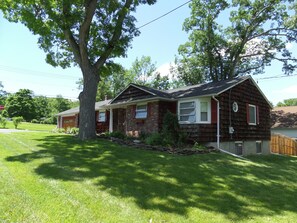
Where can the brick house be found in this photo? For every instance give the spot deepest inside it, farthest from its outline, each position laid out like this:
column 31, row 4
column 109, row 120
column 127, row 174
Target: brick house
column 70, row 118
column 232, row 115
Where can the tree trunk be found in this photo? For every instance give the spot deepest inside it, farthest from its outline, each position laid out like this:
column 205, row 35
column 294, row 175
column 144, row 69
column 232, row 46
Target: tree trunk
column 87, row 98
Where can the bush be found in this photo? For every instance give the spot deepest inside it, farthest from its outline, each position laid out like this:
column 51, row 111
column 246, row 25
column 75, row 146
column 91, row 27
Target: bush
column 3, row 121
column 170, row 129
column 4, row 113
column 49, row 120
column 17, row 120
column 73, row 131
column 34, row 121
column 117, row 134
column 155, row 139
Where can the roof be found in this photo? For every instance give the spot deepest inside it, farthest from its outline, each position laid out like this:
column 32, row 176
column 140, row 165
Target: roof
column 75, row 110
column 159, row 93
column 208, row 89
column 284, row 117
column 286, row 109
column 199, row 90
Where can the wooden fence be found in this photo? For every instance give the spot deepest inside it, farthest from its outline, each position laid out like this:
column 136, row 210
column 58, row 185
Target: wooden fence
column 283, row 145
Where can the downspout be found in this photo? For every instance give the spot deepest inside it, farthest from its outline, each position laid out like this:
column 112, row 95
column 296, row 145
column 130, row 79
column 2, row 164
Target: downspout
column 218, row 122
column 218, row 131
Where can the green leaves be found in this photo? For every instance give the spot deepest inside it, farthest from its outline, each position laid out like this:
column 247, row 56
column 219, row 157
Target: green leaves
column 255, row 36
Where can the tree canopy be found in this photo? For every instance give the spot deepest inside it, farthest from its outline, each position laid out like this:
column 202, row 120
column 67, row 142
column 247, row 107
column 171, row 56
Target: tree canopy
column 2, row 94
column 87, row 33
column 21, row 104
column 142, row 71
column 257, row 33
column 288, row 102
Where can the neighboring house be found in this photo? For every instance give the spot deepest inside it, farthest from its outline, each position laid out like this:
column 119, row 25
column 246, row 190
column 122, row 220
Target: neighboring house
column 284, row 121
column 233, row 115
column 70, row 118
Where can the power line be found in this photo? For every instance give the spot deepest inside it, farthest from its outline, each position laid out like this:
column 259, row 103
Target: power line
column 274, row 77
column 32, row 72
column 164, row 14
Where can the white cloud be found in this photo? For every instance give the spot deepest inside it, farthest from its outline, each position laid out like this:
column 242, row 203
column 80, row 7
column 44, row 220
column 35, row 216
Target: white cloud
column 164, row 70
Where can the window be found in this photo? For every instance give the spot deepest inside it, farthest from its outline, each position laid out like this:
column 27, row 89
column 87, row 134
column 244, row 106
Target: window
column 239, row 148
column 258, row 147
column 187, row 111
column 195, row 111
column 141, row 111
column 102, row 116
column 204, row 111
column 252, row 114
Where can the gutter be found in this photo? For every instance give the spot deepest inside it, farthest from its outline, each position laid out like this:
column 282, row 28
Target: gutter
column 218, row 131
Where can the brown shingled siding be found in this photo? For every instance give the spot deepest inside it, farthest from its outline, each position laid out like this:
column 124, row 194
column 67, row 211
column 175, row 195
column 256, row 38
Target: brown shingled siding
column 132, row 93
column 244, row 93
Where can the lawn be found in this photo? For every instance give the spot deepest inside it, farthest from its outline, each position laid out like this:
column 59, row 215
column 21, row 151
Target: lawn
column 57, row 178
column 31, row 126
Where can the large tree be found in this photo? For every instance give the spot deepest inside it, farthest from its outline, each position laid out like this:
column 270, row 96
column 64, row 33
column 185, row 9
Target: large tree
column 88, row 33
column 3, row 94
column 257, row 33
column 21, row 104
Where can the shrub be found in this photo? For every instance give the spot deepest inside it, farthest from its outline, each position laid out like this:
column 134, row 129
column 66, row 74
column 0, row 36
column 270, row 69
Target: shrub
column 3, row 121
column 17, row 120
column 74, row 131
column 170, row 129
column 49, row 120
column 34, row 121
column 117, row 134
column 4, row 113
column 155, row 139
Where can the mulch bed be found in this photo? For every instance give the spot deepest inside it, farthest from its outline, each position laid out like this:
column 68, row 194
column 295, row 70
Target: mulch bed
column 179, row 151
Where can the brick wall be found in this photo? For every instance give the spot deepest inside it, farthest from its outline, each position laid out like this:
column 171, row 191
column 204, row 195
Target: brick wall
column 148, row 125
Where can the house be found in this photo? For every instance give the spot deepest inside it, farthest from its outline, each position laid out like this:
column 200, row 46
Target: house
column 284, row 121
column 70, row 118
column 232, row 115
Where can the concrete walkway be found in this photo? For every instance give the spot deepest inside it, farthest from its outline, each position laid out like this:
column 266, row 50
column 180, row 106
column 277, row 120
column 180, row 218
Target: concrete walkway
column 7, row 131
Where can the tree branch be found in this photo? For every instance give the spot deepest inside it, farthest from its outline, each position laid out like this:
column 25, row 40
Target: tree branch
column 250, row 69
column 90, row 8
column 267, row 32
column 116, row 35
column 69, row 36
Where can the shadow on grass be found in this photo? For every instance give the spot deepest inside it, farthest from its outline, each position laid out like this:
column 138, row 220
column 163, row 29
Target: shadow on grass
column 240, row 190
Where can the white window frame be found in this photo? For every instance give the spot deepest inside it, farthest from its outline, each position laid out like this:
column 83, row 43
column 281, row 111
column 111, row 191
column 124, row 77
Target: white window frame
column 102, row 111
column 255, row 114
column 197, row 102
column 208, row 100
column 195, row 110
column 137, row 110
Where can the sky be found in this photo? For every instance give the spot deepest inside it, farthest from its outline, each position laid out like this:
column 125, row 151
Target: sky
column 22, row 62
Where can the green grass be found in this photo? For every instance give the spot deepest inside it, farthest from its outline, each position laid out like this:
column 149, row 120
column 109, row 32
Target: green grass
column 31, row 126
column 57, row 178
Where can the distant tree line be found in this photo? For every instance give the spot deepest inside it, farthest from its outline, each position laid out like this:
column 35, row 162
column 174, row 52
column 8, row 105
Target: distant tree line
column 38, row 109
column 288, row 102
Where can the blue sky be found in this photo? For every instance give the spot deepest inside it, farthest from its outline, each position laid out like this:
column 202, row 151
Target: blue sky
column 22, row 63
